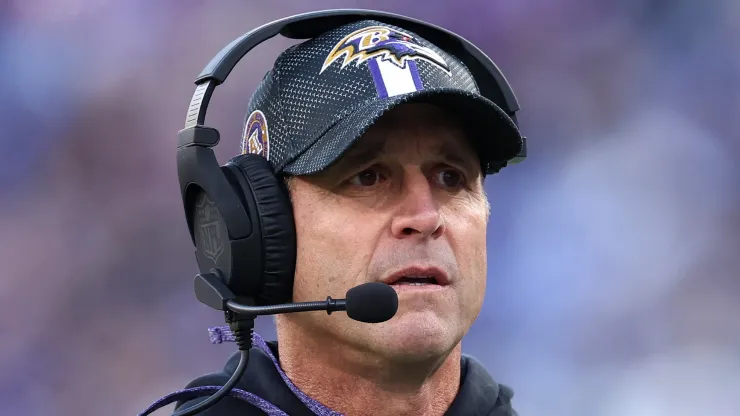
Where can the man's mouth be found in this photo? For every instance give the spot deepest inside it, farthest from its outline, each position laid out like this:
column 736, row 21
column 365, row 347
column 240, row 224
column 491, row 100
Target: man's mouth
column 415, row 281
column 418, row 276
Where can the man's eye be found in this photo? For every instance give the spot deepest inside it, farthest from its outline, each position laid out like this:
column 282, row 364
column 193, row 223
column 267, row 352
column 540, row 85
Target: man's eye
column 450, row 178
column 368, row 177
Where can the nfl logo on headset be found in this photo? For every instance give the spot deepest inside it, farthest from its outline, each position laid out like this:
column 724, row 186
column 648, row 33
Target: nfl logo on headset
column 210, row 243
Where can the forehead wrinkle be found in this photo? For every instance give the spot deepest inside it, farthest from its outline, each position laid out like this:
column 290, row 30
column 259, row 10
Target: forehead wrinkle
column 442, row 139
column 432, row 128
column 445, row 145
column 358, row 154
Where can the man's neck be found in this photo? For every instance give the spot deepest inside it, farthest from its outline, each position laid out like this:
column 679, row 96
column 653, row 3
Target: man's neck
column 355, row 383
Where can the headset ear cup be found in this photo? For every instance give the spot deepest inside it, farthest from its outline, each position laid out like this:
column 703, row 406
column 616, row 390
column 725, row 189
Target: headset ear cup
column 277, row 226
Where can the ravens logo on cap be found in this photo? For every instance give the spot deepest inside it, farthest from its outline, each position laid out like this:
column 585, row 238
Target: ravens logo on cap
column 382, row 42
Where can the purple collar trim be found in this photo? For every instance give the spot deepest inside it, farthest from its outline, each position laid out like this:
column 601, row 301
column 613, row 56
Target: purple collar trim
column 221, row 334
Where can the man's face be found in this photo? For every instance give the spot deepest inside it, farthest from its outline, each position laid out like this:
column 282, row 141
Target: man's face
column 406, row 195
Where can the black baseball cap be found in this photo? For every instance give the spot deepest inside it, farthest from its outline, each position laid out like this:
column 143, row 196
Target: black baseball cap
column 323, row 94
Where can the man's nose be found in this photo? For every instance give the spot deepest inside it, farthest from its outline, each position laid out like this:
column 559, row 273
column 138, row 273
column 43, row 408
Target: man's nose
column 418, row 213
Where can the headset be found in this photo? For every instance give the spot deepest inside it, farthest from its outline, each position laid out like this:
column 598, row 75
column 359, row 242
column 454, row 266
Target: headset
column 239, row 215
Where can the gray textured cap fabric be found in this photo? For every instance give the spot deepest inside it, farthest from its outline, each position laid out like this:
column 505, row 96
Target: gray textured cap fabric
column 323, row 94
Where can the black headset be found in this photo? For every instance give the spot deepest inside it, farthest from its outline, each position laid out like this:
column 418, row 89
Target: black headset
column 239, row 215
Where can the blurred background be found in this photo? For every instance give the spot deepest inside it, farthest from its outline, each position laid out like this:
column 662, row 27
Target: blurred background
column 614, row 248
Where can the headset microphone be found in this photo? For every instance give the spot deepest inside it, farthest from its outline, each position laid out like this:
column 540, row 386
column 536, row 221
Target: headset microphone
column 372, row 302
column 369, row 303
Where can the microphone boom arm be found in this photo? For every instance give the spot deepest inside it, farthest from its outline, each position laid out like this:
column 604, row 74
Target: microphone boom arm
column 211, row 291
column 329, row 305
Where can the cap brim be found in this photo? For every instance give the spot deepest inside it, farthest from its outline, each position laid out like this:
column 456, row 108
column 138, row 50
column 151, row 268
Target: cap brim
column 492, row 131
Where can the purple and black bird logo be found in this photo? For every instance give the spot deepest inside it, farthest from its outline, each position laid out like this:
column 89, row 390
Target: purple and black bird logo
column 385, row 43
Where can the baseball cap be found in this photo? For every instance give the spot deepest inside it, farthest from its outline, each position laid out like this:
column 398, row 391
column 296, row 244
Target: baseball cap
column 322, row 95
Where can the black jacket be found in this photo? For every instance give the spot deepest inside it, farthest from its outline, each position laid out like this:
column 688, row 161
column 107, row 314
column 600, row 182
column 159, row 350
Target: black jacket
column 479, row 395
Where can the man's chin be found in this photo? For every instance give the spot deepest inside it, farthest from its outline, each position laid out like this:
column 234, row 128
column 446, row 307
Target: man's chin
column 417, row 339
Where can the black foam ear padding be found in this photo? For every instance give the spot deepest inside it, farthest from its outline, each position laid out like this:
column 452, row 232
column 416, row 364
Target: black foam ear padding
column 278, row 228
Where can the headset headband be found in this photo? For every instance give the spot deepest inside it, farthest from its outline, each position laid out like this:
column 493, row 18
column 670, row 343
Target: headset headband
column 308, row 25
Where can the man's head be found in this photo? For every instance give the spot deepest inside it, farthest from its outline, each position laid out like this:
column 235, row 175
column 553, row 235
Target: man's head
column 386, row 141
column 407, row 196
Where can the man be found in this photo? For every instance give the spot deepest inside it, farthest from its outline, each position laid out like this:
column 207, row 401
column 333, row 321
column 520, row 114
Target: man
column 383, row 138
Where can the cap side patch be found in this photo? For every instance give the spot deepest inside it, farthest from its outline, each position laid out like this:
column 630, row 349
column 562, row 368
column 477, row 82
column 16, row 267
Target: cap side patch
column 256, row 139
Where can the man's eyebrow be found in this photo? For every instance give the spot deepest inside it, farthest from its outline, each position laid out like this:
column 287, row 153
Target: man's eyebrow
column 457, row 154
column 360, row 156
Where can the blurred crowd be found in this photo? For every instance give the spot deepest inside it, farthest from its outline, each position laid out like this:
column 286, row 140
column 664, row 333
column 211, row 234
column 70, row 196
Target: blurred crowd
column 613, row 287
